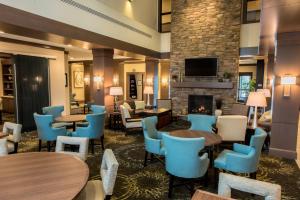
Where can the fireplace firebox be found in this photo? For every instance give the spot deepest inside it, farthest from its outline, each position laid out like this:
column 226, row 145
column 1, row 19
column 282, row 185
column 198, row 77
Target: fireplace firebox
column 200, row 104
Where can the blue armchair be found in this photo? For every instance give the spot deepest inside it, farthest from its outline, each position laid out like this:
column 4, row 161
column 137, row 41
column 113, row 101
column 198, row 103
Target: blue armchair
column 243, row 158
column 95, row 129
column 97, row 109
column 182, row 158
column 55, row 111
column 45, row 131
column 202, row 122
column 152, row 137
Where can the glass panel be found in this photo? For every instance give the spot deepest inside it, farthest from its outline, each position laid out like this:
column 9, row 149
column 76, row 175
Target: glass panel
column 244, row 87
column 166, row 6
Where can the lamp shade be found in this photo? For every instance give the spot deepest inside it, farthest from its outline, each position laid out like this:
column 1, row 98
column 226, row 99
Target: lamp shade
column 148, row 90
column 257, row 99
column 115, row 91
column 266, row 92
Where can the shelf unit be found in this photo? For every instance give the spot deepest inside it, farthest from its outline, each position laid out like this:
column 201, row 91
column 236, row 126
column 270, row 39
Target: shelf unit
column 8, row 79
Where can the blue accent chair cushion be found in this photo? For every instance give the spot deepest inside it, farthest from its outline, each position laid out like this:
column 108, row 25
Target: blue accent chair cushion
column 97, row 109
column 202, row 122
column 243, row 158
column 182, row 156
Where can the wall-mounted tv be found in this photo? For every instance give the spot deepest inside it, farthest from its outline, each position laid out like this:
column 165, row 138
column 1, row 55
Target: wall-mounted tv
column 201, row 66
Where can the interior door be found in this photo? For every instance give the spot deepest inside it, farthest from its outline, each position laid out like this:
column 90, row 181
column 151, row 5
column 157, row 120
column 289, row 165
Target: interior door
column 32, row 88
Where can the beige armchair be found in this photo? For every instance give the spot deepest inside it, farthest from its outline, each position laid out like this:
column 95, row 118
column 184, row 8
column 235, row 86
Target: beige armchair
column 128, row 122
column 232, row 127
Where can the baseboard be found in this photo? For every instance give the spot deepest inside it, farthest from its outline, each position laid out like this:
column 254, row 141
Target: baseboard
column 283, row 153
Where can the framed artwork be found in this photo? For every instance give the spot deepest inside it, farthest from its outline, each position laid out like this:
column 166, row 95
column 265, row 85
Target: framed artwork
column 78, row 79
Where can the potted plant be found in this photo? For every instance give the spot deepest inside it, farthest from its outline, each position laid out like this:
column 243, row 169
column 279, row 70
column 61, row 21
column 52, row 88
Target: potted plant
column 252, row 85
column 227, row 76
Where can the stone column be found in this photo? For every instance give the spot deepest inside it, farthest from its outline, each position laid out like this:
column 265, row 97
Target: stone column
column 103, row 66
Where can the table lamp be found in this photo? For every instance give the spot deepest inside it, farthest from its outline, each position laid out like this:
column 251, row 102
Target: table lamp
column 115, row 91
column 256, row 99
column 148, row 90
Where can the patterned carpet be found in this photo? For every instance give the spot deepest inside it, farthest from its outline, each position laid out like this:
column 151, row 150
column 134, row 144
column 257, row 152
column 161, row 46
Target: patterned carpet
column 136, row 182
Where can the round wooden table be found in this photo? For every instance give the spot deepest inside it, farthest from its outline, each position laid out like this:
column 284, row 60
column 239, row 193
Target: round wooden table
column 71, row 119
column 210, row 138
column 41, row 176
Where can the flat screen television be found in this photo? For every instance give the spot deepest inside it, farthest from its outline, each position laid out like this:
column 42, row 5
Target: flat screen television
column 201, row 67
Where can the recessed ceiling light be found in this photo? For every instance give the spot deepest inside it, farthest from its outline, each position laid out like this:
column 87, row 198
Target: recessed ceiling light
column 69, row 45
column 1, row 32
column 47, row 47
column 71, row 58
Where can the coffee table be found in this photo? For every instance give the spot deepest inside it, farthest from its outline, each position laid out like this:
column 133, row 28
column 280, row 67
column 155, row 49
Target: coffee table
column 71, row 119
column 211, row 139
column 41, row 175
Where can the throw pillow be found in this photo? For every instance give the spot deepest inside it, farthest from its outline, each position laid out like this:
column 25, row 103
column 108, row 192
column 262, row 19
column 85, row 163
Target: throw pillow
column 139, row 105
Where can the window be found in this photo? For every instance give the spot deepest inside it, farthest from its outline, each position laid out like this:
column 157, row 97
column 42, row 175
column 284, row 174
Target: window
column 164, row 16
column 251, row 11
column 244, row 85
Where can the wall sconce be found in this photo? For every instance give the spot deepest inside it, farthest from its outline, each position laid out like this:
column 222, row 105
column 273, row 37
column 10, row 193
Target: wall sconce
column 287, row 81
column 164, row 82
column 116, row 80
column 149, row 81
column 99, row 81
column 87, row 80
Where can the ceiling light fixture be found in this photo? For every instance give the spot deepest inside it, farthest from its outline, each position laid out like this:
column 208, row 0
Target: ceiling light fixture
column 69, row 45
column 2, row 32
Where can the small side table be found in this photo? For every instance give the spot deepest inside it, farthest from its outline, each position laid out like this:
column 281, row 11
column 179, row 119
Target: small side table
column 115, row 121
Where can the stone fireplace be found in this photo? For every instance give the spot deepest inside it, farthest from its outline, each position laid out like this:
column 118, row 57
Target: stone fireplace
column 200, row 104
column 204, row 28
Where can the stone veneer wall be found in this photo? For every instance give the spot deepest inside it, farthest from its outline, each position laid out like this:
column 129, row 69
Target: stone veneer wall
column 203, row 28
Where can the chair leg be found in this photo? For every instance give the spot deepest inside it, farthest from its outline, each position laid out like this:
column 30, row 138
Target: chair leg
column 107, row 197
column 206, row 179
column 48, row 146
column 16, row 147
column 40, row 145
column 102, row 142
column 146, row 158
column 92, row 144
column 253, row 175
column 171, row 181
column 216, row 176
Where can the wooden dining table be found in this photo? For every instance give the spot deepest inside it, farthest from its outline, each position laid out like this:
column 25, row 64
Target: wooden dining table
column 71, row 119
column 211, row 139
column 42, row 176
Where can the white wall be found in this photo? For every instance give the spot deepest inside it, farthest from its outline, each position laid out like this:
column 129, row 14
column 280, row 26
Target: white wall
column 143, row 11
column 58, row 93
column 250, row 35
column 59, row 11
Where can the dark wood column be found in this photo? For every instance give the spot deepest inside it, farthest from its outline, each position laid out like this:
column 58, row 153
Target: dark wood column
column 286, row 109
column 103, row 66
column 260, row 72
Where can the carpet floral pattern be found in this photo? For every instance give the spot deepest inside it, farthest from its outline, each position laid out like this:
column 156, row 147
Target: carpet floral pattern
column 137, row 182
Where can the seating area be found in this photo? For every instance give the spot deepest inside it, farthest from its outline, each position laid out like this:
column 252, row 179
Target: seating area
column 142, row 100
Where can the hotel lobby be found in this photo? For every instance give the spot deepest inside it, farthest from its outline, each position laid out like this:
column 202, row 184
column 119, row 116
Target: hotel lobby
column 156, row 99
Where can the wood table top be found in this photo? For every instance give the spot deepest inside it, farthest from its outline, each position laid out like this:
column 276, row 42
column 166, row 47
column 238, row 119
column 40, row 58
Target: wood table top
column 41, row 176
column 203, row 195
column 3, row 135
column 210, row 138
column 70, row 118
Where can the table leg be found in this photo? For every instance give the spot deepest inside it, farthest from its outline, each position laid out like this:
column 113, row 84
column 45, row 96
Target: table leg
column 74, row 126
column 211, row 156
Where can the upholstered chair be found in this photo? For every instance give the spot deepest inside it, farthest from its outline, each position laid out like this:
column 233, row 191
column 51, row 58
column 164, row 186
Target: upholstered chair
column 152, row 137
column 102, row 189
column 45, row 131
column 128, row 122
column 95, row 129
column 182, row 158
column 96, row 109
column 55, row 111
column 202, row 122
column 14, row 137
column 3, row 147
column 243, row 158
column 267, row 190
column 232, row 128
column 82, row 142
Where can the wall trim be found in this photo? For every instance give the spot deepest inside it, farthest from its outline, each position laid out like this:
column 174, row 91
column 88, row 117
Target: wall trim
column 283, row 153
column 103, row 16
